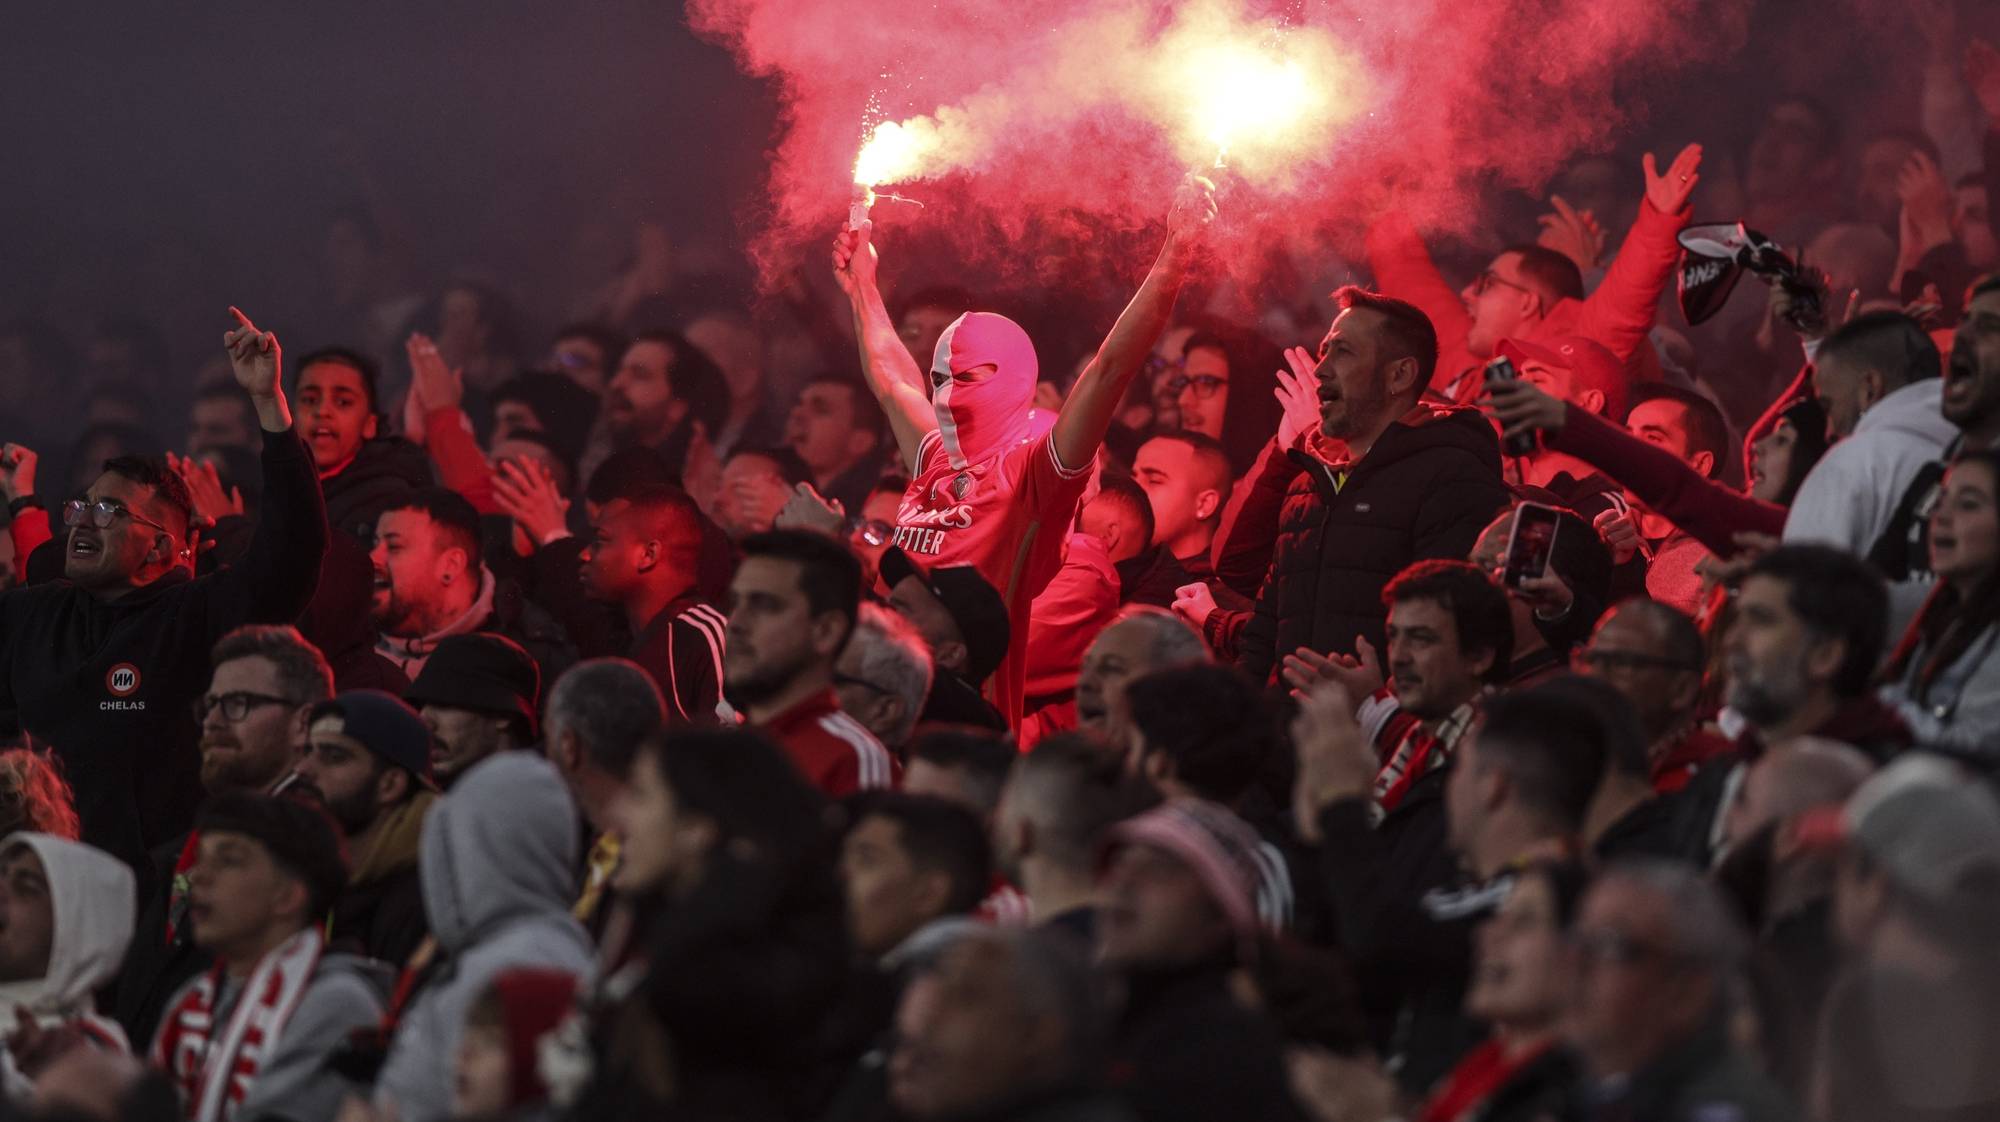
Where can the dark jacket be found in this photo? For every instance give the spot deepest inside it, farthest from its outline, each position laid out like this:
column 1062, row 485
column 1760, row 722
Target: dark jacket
column 380, row 914
column 383, row 473
column 1151, row 578
column 1184, row 1050
column 954, row 701
column 156, row 963
column 1425, row 489
column 109, row 684
column 339, row 620
column 1651, row 829
column 1698, row 1080
column 681, row 650
column 749, row 963
column 1410, row 966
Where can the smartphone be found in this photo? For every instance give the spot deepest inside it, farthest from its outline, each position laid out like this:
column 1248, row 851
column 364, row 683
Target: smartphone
column 1531, row 543
column 1501, row 369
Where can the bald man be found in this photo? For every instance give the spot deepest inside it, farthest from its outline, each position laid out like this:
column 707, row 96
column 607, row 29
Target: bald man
column 643, row 557
column 1808, row 772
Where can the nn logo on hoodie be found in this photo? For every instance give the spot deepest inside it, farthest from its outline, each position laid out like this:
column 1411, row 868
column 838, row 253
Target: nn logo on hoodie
column 123, row 681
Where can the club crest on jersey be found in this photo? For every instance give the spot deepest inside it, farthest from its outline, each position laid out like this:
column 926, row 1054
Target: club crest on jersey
column 960, row 484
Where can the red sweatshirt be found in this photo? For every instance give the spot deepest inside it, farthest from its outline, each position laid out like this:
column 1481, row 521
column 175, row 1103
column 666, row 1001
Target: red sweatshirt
column 832, row 749
column 1619, row 314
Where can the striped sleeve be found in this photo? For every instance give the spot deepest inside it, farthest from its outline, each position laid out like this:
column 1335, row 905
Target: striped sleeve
column 695, row 665
column 875, row 768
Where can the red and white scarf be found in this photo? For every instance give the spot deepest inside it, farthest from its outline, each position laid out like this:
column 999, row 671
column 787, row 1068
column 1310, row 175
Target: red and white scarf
column 215, row 1065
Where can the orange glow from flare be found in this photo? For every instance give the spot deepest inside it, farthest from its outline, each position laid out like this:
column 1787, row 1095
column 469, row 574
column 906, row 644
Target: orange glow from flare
column 892, row 153
column 1248, row 93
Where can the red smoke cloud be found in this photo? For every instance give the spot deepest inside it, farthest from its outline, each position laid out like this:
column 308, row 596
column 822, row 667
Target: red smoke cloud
column 1053, row 118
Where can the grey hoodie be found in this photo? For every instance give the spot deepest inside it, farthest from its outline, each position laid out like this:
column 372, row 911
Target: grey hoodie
column 91, row 898
column 498, row 866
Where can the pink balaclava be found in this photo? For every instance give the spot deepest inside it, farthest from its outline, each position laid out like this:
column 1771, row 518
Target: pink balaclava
column 980, row 420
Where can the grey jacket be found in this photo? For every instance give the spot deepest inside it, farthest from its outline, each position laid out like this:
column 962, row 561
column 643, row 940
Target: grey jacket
column 1961, row 708
column 498, row 866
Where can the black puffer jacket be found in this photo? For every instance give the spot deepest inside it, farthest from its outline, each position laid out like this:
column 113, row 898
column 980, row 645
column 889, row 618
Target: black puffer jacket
column 383, row 473
column 1425, row 490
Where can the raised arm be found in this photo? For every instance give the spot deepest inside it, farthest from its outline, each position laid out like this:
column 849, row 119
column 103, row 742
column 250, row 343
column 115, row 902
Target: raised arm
column 892, row 374
column 280, row 569
column 1086, row 414
column 1620, row 313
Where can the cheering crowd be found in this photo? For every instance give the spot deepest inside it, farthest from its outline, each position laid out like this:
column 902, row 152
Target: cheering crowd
column 1441, row 701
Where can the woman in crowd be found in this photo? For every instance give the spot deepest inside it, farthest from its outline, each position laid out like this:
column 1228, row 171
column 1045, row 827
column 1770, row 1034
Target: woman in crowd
column 1227, row 386
column 728, row 884
column 1945, row 675
column 1518, row 987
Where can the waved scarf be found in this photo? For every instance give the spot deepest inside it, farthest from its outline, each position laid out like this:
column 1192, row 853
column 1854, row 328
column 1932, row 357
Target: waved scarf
column 979, row 419
column 214, row 1065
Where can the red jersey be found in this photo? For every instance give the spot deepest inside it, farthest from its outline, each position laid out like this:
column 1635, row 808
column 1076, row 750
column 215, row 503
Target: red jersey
column 832, row 749
column 1006, row 516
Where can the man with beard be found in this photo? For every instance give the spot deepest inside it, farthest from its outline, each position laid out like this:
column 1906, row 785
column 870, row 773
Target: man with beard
column 792, row 605
column 1801, row 652
column 430, row 584
column 993, row 482
column 253, row 733
column 479, row 695
column 644, row 558
column 103, row 665
column 665, row 390
column 369, row 760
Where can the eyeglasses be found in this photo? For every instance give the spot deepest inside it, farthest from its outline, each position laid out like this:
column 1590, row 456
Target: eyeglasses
column 1205, row 385
column 1485, row 281
column 102, row 513
column 850, row 680
column 1614, row 947
column 1628, row 660
column 235, row 706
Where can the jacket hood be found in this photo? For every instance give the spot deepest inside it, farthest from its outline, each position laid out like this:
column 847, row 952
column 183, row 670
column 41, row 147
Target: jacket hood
column 1429, row 426
column 405, row 650
column 1915, row 410
column 386, row 469
column 92, row 895
column 502, row 845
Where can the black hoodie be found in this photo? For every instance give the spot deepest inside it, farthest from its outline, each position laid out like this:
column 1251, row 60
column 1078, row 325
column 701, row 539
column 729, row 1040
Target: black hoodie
column 1426, row 489
column 383, row 473
column 109, row 684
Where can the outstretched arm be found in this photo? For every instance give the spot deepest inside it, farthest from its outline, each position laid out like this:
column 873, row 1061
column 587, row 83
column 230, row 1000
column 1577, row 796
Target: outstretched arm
column 891, row 373
column 1087, row 413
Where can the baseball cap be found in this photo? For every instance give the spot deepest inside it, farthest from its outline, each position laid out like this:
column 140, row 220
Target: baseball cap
column 973, row 604
column 1219, row 847
column 1593, row 363
column 385, row 725
column 1932, row 828
column 482, row 671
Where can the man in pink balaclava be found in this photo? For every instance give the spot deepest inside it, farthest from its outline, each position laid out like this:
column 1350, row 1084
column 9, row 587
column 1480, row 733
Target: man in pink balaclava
column 994, row 483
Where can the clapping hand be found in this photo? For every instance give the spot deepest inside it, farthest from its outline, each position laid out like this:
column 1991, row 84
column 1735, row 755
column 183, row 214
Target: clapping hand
column 1573, row 233
column 1298, row 392
column 807, row 509
column 433, row 384
column 1335, row 760
column 527, row 493
column 1360, row 673
column 204, row 484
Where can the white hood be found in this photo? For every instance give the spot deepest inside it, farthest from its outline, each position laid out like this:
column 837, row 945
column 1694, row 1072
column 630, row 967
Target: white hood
column 94, row 899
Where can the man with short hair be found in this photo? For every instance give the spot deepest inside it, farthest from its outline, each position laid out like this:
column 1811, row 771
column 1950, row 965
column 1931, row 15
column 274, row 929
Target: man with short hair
column 1904, row 1025
column 253, row 1036
column 1655, row 656
column 479, row 695
column 883, row 676
column 65, row 922
column 1372, row 785
column 908, row 863
column 598, row 713
column 1531, row 292
column 222, row 416
column 1626, row 816
column 964, row 622
column 1656, row 956
column 1186, row 479
column 665, row 388
column 969, row 766
column 370, row 765
column 361, row 468
column 1121, row 517
column 1000, row 1019
column 1140, row 641
column 1877, row 376
column 253, row 719
column 792, row 605
column 1386, row 480
column 1179, row 918
column 645, row 558
column 431, row 584
column 1059, row 800
column 102, row 666
column 836, row 430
